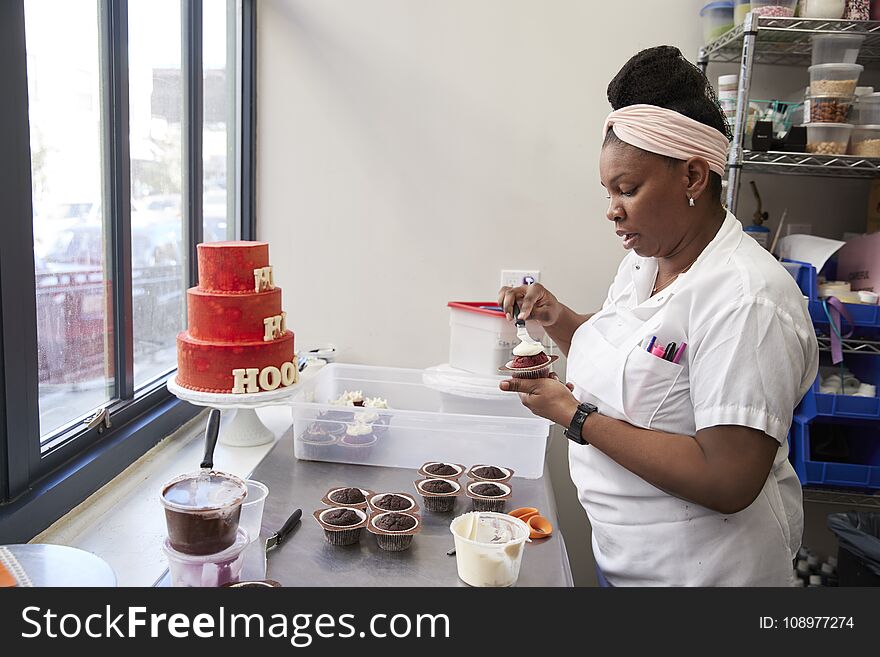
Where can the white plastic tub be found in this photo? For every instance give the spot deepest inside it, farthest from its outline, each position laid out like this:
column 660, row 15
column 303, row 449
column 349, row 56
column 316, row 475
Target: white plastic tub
column 480, row 339
column 415, row 429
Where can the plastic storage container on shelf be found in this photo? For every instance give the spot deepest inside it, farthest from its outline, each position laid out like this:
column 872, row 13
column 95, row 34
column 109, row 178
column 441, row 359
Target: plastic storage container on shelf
column 481, row 338
column 857, row 10
column 828, row 138
column 740, row 11
column 865, row 141
column 415, row 429
column 822, row 8
column 717, row 19
column 829, row 109
column 836, row 48
column 866, row 110
column 774, row 8
column 834, row 79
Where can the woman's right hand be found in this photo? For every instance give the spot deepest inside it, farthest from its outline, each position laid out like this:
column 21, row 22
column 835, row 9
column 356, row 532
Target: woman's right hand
column 535, row 302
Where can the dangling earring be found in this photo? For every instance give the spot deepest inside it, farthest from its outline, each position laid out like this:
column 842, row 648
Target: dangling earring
column 691, row 201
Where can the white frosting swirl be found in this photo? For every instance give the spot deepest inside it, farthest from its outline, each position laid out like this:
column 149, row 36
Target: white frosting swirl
column 366, row 417
column 358, row 429
column 375, row 402
column 528, row 349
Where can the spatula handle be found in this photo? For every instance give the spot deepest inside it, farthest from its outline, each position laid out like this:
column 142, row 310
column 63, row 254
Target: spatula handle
column 211, row 433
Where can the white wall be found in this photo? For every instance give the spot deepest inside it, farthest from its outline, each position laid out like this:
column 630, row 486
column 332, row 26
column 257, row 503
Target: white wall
column 408, row 150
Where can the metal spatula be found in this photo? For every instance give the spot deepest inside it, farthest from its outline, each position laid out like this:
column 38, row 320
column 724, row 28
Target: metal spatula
column 521, row 331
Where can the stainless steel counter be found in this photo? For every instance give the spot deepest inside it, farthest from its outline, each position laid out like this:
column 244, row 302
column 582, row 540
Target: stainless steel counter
column 306, row 559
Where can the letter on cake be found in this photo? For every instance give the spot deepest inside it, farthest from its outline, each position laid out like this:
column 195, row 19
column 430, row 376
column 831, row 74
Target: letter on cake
column 245, row 380
column 270, row 378
column 263, row 279
column 289, row 374
column 275, row 327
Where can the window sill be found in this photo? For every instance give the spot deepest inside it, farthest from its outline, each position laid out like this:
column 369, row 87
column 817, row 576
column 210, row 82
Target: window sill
column 123, row 522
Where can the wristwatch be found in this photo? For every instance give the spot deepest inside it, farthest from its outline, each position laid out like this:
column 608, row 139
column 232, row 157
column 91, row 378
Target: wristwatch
column 577, row 423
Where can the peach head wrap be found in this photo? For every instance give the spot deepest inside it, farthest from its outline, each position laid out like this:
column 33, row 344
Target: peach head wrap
column 670, row 133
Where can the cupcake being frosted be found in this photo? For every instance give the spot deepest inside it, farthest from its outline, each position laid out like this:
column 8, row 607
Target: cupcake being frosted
column 531, row 361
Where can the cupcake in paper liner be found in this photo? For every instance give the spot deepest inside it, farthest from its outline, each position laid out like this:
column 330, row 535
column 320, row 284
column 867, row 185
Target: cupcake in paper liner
column 316, row 442
column 535, row 366
column 495, row 474
column 351, row 497
column 438, row 494
column 342, row 525
column 358, row 441
column 394, row 531
column 400, row 502
column 488, row 496
column 441, row 470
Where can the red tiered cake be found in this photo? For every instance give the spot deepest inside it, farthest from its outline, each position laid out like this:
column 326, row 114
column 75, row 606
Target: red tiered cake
column 237, row 339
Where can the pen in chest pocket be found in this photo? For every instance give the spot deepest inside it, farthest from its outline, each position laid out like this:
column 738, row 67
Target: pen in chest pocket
column 672, row 352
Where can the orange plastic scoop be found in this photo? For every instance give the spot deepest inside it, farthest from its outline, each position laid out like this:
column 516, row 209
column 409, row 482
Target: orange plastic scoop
column 524, row 513
column 540, row 527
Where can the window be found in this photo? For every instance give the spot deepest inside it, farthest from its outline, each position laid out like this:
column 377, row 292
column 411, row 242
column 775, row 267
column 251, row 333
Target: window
column 75, row 356
column 127, row 121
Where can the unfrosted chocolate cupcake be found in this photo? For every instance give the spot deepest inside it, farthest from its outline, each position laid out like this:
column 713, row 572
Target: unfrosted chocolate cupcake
column 342, row 525
column 441, row 469
column 351, row 497
column 491, row 473
column 393, row 502
column 488, row 496
column 438, row 495
column 394, row 531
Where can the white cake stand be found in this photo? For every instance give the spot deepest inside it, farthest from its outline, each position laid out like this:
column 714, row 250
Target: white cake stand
column 245, row 429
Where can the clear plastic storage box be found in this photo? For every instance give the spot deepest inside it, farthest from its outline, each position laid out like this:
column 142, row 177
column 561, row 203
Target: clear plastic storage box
column 419, row 425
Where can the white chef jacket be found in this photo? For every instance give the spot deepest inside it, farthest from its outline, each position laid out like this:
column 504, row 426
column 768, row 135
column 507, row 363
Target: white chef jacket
column 751, row 355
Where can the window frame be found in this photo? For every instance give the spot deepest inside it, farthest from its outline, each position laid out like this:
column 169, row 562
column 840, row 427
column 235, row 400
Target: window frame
column 37, row 487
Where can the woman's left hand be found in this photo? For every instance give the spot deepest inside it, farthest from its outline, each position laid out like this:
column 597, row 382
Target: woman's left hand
column 549, row 398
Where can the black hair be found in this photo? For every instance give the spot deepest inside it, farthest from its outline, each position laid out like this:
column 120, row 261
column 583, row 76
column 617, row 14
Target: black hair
column 661, row 76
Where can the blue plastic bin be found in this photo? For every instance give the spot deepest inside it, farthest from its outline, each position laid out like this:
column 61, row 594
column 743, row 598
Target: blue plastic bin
column 856, row 463
column 865, row 318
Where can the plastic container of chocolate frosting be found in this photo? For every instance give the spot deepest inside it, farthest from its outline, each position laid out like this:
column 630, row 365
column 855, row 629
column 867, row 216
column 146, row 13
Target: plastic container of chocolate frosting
column 202, row 511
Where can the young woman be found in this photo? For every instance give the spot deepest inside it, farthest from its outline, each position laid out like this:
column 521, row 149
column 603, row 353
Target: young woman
column 679, row 454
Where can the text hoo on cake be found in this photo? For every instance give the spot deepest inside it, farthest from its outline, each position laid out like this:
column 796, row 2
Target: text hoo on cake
column 263, row 279
column 275, row 327
column 251, row 379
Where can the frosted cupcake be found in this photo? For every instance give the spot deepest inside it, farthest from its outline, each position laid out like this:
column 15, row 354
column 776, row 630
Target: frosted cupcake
column 358, row 441
column 529, row 362
column 317, row 442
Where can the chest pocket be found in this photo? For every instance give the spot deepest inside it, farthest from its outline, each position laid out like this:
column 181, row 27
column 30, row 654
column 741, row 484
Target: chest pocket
column 656, row 393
